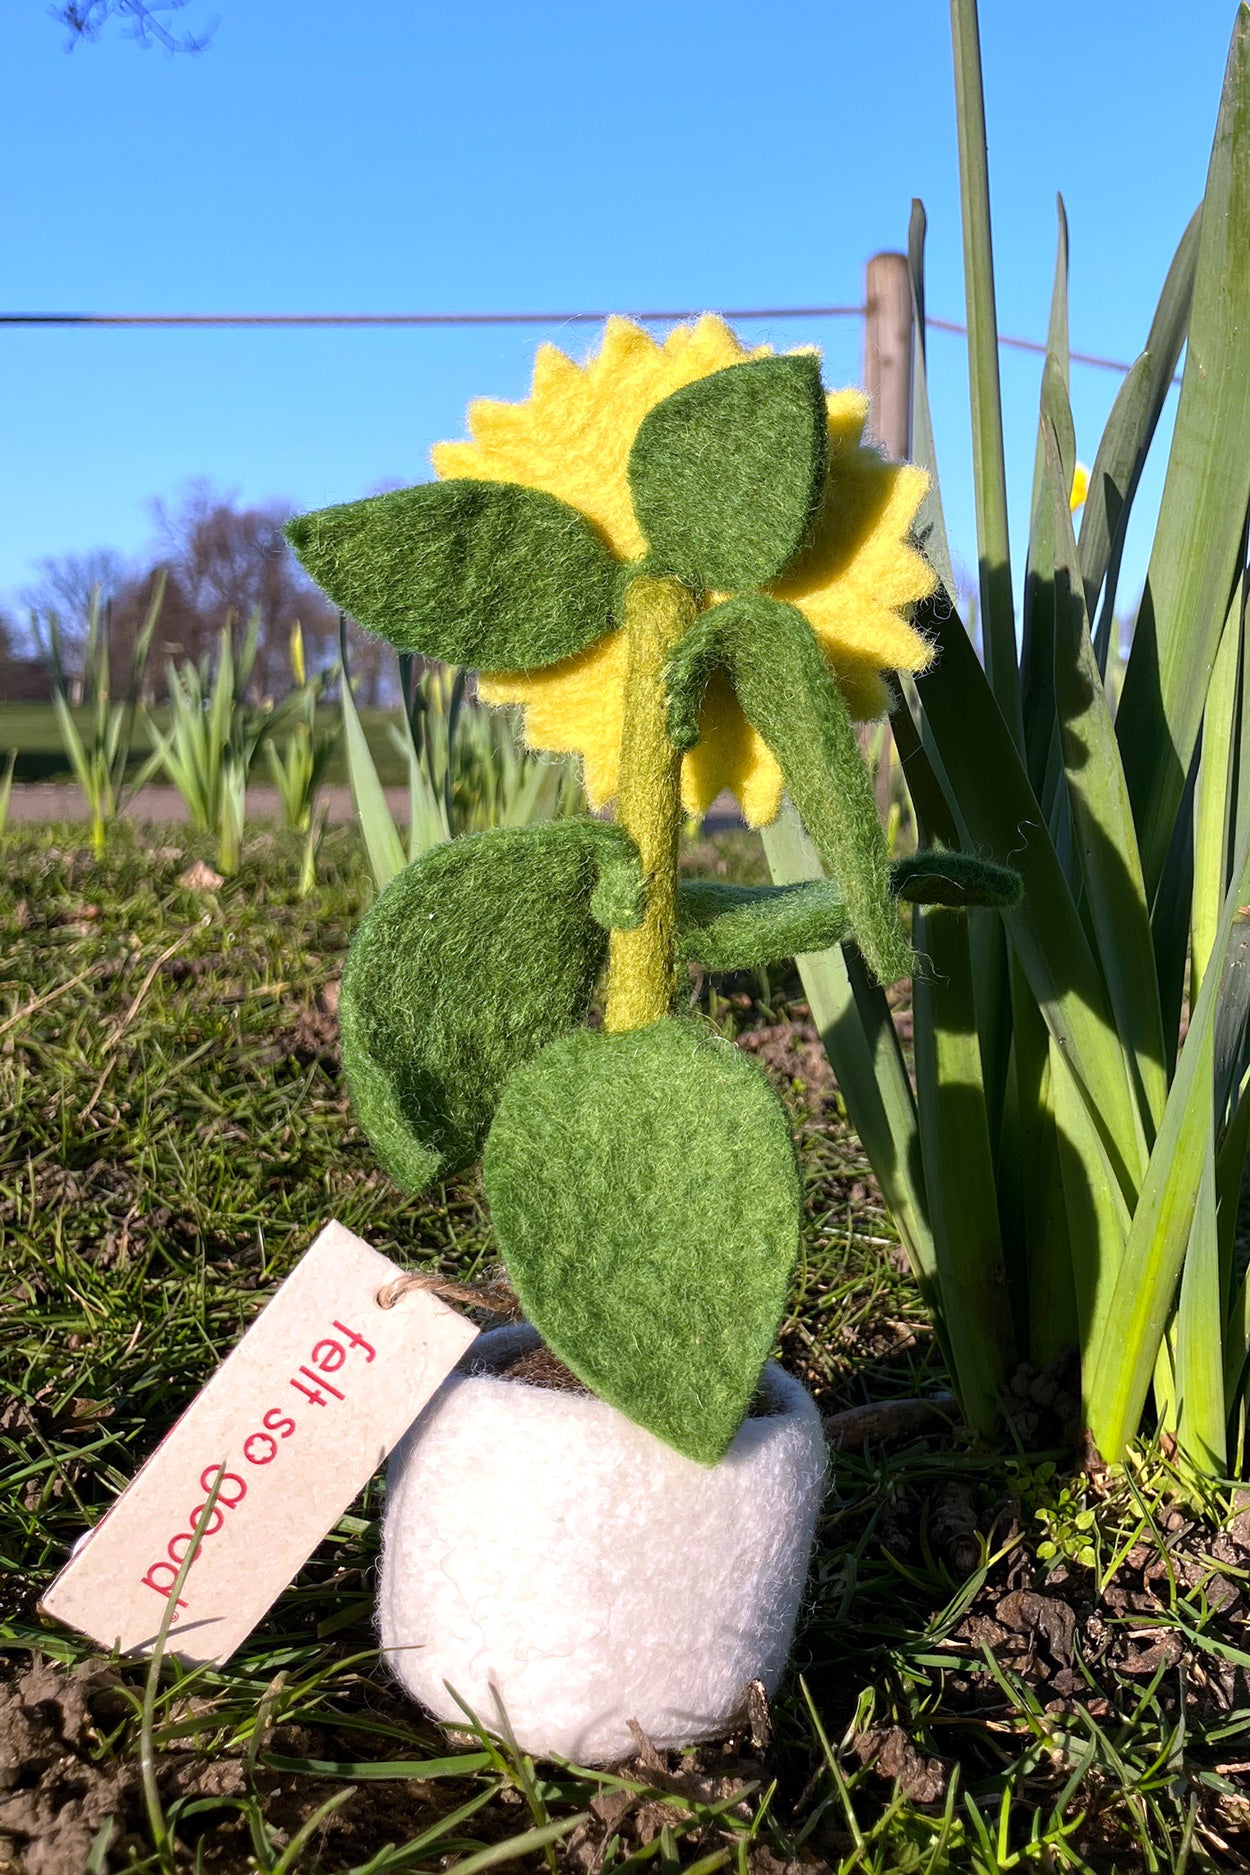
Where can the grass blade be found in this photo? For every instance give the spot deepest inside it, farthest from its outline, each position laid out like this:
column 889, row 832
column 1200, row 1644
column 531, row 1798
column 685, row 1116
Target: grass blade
column 922, row 763
column 1205, row 496
column 382, row 1770
column 999, row 815
column 1095, row 1209
column 930, row 523
column 860, row 1041
column 1159, row 1235
column 518, row 1846
column 382, row 843
column 1037, row 675
column 1105, row 838
column 1030, row 1186
column 1127, row 438
column 74, row 747
column 988, row 463
column 6, row 788
column 1213, row 829
column 959, row 1168
column 1200, row 1399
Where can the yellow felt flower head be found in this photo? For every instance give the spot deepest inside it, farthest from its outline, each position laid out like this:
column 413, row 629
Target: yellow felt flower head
column 853, row 580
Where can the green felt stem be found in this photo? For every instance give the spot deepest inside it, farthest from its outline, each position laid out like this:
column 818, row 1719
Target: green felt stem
column 789, row 695
column 642, row 959
column 737, row 927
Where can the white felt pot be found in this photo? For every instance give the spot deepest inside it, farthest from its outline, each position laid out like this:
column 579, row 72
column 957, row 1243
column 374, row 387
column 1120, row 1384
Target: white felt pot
column 538, row 1543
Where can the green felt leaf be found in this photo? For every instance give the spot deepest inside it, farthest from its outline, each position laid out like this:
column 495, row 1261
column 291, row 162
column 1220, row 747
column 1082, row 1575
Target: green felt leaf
column 472, row 960
column 644, row 1194
column 726, row 473
column 487, row 574
column 788, row 693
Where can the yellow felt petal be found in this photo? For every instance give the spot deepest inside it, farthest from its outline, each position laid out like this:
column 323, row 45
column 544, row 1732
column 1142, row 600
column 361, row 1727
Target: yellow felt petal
column 866, row 691
column 730, row 755
column 573, row 707
column 573, row 435
column 857, row 570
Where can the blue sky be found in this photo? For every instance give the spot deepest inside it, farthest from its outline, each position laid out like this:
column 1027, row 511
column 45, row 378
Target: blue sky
column 488, row 156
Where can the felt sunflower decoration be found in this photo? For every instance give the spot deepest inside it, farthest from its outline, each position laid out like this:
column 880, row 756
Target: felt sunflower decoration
column 853, row 580
column 684, row 563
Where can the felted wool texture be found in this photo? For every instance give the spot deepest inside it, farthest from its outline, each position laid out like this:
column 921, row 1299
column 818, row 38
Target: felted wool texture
column 470, row 572
column 855, row 578
column 727, row 472
column 645, row 1200
column 539, row 1543
column 641, row 962
column 736, row 927
column 937, row 877
column 787, row 693
column 468, row 963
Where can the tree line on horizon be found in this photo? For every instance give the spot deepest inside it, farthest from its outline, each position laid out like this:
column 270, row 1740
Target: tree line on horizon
column 220, row 561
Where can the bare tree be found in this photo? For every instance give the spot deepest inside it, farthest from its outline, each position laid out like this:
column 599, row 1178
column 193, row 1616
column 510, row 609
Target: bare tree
column 224, row 561
column 220, row 561
column 23, row 678
column 144, row 21
column 67, row 585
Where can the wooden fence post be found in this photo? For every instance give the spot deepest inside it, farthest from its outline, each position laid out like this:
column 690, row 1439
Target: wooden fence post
column 887, row 379
column 887, row 351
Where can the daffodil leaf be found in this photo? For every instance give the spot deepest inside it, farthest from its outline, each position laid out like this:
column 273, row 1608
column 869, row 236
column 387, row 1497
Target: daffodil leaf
column 487, row 574
column 789, row 695
column 468, row 964
column 727, row 473
column 643, row 1191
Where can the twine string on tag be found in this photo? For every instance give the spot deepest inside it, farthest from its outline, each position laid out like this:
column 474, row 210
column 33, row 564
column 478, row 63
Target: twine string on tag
column 496, row 1298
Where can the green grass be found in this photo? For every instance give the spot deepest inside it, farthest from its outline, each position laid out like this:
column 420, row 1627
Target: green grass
column 31, row 729
column 176, row 1134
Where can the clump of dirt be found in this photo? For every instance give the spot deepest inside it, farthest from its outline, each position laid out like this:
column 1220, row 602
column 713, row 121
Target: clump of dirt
column 54, row 1799
column 892, row 1754
column 1084, row 1637
column 791, row 1051
column 63, row 1788
column 635, row 1818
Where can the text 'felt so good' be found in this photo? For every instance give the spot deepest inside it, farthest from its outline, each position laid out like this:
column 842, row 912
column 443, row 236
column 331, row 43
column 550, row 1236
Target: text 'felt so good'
column 289, row 1429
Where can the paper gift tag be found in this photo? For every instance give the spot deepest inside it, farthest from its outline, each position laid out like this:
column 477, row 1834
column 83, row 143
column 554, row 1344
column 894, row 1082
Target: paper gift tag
column 302, row 1413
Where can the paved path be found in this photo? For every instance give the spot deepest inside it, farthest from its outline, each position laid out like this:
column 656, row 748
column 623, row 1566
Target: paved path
column 55, row 800
column 157, row 806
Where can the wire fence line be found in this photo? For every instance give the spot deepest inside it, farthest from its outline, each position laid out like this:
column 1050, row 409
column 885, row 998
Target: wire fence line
column 435, row 320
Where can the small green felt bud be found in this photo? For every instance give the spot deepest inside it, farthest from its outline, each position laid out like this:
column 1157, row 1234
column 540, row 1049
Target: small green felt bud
column 788, row 693
column 727, row 473
column 736, row 927
column 619, row 900
column 487, row 574
column 643, row 1190
column 937, row 877
column 472, row 960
